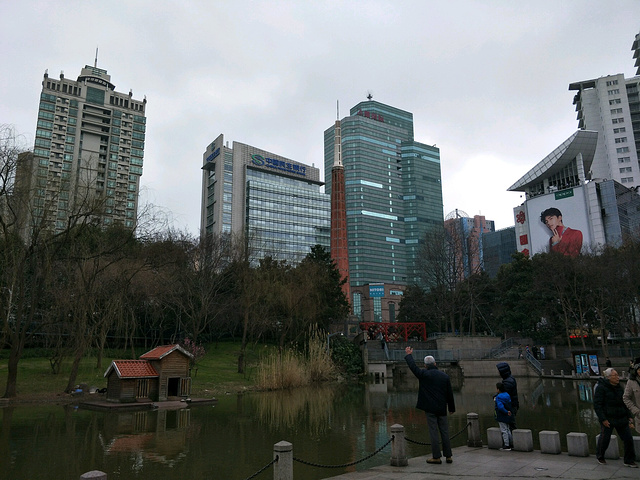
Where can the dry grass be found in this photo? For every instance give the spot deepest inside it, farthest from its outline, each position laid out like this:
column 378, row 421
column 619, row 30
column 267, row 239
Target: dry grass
column 290, row 369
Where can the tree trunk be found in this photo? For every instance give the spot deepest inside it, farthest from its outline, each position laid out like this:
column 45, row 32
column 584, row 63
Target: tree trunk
column 75, row 366
column 243, row 345
column 12, row 371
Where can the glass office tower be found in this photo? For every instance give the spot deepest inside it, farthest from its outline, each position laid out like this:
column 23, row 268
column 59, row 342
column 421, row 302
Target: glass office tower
column 276, row 201
column 393, row 192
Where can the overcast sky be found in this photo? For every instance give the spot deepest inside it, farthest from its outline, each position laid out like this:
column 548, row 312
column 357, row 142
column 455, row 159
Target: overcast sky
column 486, row 81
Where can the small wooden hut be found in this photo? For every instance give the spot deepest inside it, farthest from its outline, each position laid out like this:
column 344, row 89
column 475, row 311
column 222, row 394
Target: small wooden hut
column 159, row 375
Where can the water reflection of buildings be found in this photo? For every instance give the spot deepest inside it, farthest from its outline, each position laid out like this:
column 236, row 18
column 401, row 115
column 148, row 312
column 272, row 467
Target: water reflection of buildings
column 157, row 436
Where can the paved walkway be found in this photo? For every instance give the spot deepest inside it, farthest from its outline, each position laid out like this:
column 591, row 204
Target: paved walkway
column 485, row 464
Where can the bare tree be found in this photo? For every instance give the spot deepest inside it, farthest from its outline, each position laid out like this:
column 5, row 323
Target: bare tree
column 29, row 243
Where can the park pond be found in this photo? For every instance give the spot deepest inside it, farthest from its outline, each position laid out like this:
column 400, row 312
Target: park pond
column 234, row 438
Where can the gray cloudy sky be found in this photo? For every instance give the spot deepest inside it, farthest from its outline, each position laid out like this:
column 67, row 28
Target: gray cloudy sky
column 486, row 81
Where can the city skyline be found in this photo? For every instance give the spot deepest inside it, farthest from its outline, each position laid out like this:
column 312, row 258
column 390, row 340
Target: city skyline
column 490, row 87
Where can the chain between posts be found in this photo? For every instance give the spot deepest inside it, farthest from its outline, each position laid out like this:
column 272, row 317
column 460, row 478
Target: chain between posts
column 346, row 464
column 428, row 444
column 263, row 468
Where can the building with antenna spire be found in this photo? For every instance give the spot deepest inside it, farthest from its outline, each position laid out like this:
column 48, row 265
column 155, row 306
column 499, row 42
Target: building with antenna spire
column 89, row 148
column 393, row 195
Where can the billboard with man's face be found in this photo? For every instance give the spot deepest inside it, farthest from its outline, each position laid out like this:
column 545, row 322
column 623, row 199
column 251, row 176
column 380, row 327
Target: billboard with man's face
column 565, row 228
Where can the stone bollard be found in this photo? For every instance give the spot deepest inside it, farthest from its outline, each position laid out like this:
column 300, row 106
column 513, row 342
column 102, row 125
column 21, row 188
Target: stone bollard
column 613, row 450
column 473, row 430
column 577, row 444
column 94, row 475
column 522, row 440
column 636, row 447
column 549, row 442
column 398, row 447
column 283, row 468
column 494, row 438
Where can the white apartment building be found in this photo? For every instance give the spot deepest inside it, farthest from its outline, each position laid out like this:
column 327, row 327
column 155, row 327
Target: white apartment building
column 610, row 105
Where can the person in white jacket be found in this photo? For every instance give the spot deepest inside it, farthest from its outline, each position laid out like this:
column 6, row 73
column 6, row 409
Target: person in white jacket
column 631, row 395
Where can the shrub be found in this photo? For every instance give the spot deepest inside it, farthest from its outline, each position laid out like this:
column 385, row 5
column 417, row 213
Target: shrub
column 346, row 356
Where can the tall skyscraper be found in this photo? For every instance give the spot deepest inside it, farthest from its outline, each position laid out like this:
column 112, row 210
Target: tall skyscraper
column 276, row 201
column 393, row 192
column 610, row 105
column 89, row 150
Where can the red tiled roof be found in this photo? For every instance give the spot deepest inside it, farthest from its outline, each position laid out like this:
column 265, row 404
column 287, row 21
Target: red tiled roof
column 162, row 351
column 132, row 369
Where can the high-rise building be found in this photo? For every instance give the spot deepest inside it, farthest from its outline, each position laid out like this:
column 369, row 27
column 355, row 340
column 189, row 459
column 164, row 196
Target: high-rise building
column 393, row 193
column 276, row 201
column 466, row 240
column 498, row 248
column 610, row 105
column 88, row 153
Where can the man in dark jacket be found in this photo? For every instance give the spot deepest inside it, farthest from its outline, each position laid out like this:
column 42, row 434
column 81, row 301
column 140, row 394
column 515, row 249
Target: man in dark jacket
column 613, row 413
column 511, row 387
column 435, row 395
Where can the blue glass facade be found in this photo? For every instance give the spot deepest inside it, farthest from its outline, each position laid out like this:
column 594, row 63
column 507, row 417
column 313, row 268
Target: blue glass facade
column 393, row 192
column 284, row 217
column 277, row 202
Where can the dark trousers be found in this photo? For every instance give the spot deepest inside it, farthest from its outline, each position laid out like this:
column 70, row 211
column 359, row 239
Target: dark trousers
column 439, row 424
column 624, row 432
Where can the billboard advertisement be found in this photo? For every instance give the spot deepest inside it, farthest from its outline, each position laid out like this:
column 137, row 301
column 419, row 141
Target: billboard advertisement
column 564, row 228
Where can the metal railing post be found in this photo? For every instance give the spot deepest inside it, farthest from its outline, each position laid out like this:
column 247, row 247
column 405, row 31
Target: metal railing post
column 398, row 447
column 473, row 430
column 283, row 468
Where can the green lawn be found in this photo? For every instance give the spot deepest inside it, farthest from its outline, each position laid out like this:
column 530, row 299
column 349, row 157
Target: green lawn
column 216, row 372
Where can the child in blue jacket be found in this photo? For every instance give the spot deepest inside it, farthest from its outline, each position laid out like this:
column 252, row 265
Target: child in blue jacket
column 503, row 415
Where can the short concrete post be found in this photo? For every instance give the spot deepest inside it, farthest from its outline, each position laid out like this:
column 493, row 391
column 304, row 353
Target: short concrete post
column 552, row 373
column 577, row 444
column 562, row 373
column 473, row 430
column 522, row 440
column 283, row 468
column 549, row 442
column 494, row 438
column 398, row 447
column 94, row 475
column 613, row 450
column 636, row 447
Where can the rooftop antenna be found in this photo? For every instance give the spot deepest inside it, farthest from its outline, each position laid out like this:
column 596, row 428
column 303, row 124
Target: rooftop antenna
column 95, row 63
column 337, row 109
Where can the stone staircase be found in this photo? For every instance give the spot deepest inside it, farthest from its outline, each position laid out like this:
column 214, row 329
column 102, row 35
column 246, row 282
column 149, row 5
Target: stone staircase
column 556, row 365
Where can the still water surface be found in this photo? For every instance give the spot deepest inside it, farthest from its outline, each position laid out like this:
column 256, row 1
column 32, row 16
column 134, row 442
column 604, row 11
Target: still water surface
column 234, row 438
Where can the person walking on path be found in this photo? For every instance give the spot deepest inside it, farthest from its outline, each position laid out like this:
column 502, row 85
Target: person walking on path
column 612, row 413
column 511, row 387
column 502, row 402
column 435, row 397
column 631, row 396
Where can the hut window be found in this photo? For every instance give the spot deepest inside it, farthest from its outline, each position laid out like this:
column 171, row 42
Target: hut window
column 143, row 388
column 185, row 386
